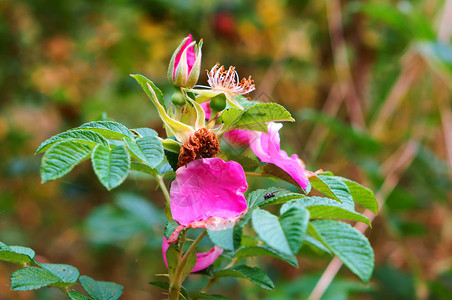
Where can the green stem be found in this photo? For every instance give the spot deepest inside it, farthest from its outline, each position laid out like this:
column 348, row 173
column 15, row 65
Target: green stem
column 256, row 174
column 178, row 278
column 163, row 188
column 209, row 284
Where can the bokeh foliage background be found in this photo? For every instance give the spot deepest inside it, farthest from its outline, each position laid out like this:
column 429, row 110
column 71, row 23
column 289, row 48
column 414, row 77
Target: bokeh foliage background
column 369, row 83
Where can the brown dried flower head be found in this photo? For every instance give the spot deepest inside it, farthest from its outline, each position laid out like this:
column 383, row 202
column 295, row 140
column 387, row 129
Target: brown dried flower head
column 201, row 144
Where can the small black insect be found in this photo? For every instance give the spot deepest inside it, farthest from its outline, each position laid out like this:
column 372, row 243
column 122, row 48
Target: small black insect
column 269, row 195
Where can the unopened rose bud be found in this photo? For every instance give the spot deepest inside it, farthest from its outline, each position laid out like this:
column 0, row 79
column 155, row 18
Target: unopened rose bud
column 185, row 64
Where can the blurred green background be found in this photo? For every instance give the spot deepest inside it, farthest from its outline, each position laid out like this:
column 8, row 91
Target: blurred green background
column 369, row 83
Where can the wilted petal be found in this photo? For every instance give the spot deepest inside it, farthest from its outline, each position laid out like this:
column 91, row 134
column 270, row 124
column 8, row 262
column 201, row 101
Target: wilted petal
column 206, row 188
column 267, row 148
column 203, row 259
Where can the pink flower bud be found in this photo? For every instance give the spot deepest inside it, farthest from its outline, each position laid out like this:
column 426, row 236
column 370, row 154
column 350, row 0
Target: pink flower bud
column 185, row 64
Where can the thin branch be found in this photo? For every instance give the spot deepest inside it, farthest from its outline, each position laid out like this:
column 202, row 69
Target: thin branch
column 341, row 63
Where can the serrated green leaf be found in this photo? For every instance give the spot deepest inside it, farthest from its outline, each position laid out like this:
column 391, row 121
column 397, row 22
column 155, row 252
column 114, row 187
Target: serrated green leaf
column 348, row 244
column 149, row 149
column 333, row 187
column 170, row 226
column 67, row 274
column 77, row 296
column 262, row 113
column 238, row 228
column 83, row 136
column 196, row 296
column 326, row 208
column 265, row 251
column 284, row 234
column 254, row 275
column 223, row 238
column 62, row 157
column 136, row 166
column 111, row 166
column 231, row 115
column 145, row 132
column 32, row 278
column 248, row 164
column 101, row 290
column 316, row 243
column 108, row 129
column 16, row 254
column 361, row 195
column 273, row 195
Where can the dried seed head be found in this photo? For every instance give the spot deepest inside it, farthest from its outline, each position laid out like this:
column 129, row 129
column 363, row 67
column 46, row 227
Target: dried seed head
column 201, row 144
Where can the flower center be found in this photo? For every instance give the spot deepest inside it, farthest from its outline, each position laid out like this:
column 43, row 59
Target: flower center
column 201, row 144
column 228, row 81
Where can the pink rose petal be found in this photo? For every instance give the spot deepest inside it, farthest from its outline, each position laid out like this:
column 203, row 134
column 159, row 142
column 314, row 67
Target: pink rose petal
column 191, row 57
column 203, row 259
column 238, row 136
column 208, row 187
column 267, row 148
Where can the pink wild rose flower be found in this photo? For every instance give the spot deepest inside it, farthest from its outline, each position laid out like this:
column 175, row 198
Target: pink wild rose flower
column 208, row 193
column 267, row 148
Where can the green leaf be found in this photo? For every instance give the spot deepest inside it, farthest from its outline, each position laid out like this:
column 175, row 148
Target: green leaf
column 191, row 262
column 348, row 244
column 222, row 238
column 231, row 115
column 62, row 157
column 333, row 187
column 111, row 166
column 67, row 274
column 284, row 234
column 149, row 149
column 326, row 208
column 361, row 195
column 263, row 250
column 136, row 166
column 16, row 254
column 262, row 113
column 32, row 278
column 77, row 296
column 83, row 136
column 101, row 290
column 170, row 226
column 273, row 195
column 142, row 132
column 254, row 275
column 173, row 256
column 108, row 129
column 238, row 228
column 142, row 81
column 248, row 164
column 196, row 296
